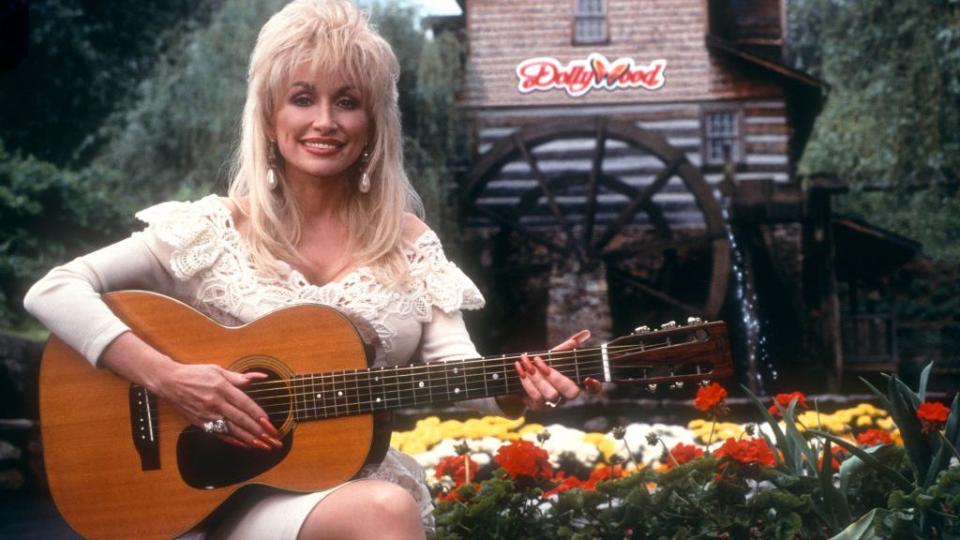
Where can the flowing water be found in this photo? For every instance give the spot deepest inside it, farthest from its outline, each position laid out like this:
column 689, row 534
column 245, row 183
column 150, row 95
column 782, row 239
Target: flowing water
column 754, row 342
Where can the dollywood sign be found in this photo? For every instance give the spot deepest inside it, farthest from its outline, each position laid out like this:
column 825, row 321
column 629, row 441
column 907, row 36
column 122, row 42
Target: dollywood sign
column 581, row 76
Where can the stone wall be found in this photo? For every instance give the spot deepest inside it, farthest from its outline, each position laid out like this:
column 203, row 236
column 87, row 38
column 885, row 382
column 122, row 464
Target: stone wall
column 20, row 464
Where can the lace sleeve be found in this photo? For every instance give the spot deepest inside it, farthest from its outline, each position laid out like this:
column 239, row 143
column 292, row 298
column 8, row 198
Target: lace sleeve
column 443, row 284
column 186, row 237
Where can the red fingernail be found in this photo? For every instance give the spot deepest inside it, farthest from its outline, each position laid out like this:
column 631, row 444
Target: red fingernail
column 260, row 444
column 542, row 366
column 269, row 427
column 520, row 370
column 271, row 440
column 529, row 366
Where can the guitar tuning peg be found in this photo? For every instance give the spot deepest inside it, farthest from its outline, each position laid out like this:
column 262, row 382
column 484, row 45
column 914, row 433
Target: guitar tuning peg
column 705, row 382
column 694, row 320
column 652, row 388
column 642, row 330
column 677, row 385
column 668, row 324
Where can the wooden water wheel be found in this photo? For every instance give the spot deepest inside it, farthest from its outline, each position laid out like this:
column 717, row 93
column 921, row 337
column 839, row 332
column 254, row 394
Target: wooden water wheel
column 598, row 190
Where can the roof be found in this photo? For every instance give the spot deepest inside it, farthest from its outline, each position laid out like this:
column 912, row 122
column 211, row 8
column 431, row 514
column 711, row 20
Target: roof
column 865, row 251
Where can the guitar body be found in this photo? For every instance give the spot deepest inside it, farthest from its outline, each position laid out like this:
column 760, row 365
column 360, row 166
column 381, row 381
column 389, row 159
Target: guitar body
column 106, row 488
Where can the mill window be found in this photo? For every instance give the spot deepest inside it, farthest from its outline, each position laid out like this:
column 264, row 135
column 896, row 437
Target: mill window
column 721, row 131
column 590, row 22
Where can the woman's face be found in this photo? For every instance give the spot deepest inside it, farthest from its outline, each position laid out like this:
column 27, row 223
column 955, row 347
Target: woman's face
column 321, row 126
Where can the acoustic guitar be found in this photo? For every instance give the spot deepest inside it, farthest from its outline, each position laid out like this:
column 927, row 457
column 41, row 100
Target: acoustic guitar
column 122, row 463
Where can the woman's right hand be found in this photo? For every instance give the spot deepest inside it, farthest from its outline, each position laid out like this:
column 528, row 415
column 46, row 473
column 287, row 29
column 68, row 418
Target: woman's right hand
column 207, row 392
column 201, row 392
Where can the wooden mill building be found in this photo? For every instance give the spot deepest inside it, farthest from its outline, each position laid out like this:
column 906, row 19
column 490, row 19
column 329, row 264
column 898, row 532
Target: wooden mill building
column 614, row 145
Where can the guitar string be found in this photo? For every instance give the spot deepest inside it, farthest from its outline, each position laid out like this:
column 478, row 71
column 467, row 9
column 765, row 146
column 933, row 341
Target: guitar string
column 467, row 364
column 397, row 393
column 363, row 384
column 405, row 373
column 473, row 385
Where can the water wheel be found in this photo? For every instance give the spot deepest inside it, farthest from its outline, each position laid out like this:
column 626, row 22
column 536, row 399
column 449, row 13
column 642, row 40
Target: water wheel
column 591, row 192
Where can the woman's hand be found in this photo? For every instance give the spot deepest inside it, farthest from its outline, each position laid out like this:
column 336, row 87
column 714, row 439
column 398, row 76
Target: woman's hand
column 200, row 392
column 546, row 387
column 207, row 392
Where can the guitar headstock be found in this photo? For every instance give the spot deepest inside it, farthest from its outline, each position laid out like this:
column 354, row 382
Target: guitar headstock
column 692, row 352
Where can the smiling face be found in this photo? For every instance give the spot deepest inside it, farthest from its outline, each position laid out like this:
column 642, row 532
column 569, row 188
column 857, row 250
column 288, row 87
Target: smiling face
column 321, row 127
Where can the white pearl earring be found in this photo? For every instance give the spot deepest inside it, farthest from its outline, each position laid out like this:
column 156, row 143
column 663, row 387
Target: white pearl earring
column 364, row 185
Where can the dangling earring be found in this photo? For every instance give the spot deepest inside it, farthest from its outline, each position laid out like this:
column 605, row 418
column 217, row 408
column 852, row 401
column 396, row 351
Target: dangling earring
column 364, row 185
column 272, row 182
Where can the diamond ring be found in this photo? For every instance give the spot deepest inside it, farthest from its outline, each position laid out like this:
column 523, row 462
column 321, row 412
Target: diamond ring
column 216, row 426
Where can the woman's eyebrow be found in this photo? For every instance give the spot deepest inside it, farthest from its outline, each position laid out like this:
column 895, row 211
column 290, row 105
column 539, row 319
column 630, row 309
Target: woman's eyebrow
column 304, row 85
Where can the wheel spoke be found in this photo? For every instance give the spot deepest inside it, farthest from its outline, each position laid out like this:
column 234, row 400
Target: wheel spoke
column 551, row 200
column 599, row 151
column 522, row 229
column 650, row 291
column 643, row 198
column 632, row 249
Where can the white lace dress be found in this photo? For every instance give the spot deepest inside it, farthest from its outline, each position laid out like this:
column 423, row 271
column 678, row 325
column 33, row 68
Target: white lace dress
column 193, row 252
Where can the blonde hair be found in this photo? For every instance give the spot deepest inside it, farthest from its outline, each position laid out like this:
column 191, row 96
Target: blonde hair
column 333, row 37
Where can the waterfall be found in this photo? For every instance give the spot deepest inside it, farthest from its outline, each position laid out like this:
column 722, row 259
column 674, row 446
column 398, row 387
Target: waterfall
column 754, row 341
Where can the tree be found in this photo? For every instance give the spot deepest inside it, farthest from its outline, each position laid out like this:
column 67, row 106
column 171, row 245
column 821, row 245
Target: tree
column 890, row 126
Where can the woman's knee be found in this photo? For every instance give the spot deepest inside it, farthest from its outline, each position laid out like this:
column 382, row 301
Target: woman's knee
column 390, row 499
column 365, row 509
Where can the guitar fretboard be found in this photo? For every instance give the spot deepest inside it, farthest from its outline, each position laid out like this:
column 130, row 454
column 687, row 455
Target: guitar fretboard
column 350, row 392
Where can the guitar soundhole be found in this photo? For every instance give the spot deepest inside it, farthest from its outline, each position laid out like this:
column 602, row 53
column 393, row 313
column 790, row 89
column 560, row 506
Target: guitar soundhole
column 206, row 462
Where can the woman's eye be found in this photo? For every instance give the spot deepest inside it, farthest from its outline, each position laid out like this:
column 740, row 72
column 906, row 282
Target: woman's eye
column 348, row 103
column 302, row 100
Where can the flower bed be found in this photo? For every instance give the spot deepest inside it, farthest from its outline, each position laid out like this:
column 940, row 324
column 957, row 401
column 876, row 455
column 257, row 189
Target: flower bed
column 890, row 473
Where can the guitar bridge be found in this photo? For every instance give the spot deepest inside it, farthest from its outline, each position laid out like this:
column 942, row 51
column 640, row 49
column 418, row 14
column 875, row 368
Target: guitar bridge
column 143, row 426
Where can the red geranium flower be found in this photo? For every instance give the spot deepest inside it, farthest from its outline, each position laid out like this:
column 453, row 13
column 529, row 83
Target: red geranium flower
column 710, row 398
column 523, row 458
column 683, row 453
column 565, row 483
column 933, row 415
column 747, row 452
column 603, row 473
column 874, row 437
column 460, row 469
column 784, row 401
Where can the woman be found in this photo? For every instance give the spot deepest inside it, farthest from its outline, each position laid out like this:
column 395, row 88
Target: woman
column 319, row 210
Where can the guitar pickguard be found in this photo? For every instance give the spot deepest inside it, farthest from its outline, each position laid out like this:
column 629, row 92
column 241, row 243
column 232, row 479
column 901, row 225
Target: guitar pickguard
column 206, row 462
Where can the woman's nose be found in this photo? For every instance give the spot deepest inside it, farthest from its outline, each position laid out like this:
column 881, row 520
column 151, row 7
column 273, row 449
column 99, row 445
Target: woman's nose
column 323, row 119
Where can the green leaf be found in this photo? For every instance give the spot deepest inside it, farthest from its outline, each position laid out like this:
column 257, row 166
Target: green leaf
column 953, row 419
column 893, row 475
column 881, row 397
column 937, row 464
column 915, row 443
column 798, row 444
column 924, row 379
column 862, row 529
column 835, row 500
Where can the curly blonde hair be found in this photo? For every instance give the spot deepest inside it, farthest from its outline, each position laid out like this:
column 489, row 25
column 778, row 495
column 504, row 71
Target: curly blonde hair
column 331, row 36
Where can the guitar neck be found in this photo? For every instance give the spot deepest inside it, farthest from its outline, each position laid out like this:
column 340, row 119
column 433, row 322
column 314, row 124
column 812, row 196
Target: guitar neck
column 343, row 393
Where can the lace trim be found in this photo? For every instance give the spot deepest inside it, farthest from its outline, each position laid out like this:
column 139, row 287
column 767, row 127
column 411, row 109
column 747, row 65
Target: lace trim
column 204, row 243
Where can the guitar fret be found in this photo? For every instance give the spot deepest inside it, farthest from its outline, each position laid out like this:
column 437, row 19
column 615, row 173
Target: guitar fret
column 576, row 367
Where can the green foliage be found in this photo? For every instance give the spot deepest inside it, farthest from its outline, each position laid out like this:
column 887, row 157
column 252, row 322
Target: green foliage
column 892, row 115
column 83, row 59
column 48, row 215
column 176, row 139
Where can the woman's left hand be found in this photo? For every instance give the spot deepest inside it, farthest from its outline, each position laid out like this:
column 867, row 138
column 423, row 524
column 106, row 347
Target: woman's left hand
column 546, row 387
